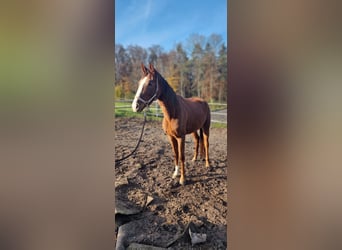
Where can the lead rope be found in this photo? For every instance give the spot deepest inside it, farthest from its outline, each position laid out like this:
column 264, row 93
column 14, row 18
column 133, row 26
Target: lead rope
column 136, row 147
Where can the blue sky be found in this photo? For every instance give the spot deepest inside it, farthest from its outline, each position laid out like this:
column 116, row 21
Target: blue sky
column 168, row 22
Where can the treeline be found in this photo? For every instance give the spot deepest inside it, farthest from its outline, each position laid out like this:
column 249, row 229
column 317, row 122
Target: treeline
column 196, row 68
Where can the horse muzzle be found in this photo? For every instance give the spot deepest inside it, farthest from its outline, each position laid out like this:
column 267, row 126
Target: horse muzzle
column 138, row 106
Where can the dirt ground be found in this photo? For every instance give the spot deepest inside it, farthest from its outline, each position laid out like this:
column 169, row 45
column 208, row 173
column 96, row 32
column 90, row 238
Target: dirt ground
column 159, row 210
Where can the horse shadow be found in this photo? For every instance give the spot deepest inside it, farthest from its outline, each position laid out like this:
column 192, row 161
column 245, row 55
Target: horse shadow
column 193, row 179
column 206, row 175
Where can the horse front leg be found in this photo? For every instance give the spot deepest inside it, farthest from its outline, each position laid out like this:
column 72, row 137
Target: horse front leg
column 181, row 144
column 174, row 146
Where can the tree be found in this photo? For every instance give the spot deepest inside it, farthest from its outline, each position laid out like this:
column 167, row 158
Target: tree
column 215, row 42
column 197, row 69
column 209, row 62
column 154, row 54
column 222, row 73
column 137, row 56
column 123, row 69
column 189, row 87
column 181, row 64
column 171, row 71
column 192, row 40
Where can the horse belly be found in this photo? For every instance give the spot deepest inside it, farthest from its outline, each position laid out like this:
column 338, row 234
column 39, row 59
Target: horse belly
column 194, row 125
column 197, row 116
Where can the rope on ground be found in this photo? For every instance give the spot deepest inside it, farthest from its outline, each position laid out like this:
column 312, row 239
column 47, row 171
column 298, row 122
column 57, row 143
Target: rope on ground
column 136, row 147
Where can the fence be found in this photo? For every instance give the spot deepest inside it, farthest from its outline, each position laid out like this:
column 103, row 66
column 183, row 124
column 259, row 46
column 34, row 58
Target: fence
column 218, row 110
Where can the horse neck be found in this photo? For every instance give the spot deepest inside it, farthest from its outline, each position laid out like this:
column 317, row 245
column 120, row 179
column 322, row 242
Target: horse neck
column 167, row 99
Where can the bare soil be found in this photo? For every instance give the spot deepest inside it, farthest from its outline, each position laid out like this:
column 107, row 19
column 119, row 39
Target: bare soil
column 163, row 221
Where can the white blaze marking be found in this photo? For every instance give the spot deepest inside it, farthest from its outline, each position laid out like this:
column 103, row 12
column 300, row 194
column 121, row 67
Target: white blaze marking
column 176, row 173
column 141, row 85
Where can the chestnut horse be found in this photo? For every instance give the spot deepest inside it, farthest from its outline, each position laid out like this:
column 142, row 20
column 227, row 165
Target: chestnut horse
column 181, row 116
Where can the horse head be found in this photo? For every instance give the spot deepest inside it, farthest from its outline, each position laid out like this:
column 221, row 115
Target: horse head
column 148, row 89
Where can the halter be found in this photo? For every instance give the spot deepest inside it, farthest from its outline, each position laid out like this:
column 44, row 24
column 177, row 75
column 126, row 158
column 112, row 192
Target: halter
column 149, row 101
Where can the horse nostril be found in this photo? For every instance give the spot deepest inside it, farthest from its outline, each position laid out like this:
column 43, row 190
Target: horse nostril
column 135, row 106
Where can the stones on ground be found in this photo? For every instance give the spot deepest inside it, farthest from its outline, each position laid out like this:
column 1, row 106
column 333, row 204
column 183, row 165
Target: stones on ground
column 125, row 232
column 189, row 234
column 149, row 200
column 135, row 246
column 126, row 203
column 132, row 172
column 197, row 222
column 138, row 165
column 125, row 207
column 121, row 181
column 197, row 237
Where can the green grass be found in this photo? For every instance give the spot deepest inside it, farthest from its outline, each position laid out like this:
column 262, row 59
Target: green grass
column 123, row 109
column 218, row 125
column 122, row 104
column 127, row 112
column 217, row 106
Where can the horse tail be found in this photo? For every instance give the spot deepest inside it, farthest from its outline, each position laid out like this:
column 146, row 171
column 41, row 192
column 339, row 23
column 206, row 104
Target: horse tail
column 201, row 143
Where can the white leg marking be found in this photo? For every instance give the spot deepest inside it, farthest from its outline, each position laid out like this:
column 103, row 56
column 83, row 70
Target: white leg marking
column 176, row 173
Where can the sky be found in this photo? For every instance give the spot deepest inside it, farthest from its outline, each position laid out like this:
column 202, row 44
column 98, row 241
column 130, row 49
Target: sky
column 168, row 22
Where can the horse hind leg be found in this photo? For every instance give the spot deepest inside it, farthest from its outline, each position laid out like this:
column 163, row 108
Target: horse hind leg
column 206, row 145
column 196, row 142
column 206, row 128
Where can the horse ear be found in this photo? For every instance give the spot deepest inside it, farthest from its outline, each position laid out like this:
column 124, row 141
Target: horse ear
column 151, row 68
column 144, row 69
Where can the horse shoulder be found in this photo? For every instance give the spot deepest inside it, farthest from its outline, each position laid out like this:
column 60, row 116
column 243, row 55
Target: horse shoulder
column 175, row 128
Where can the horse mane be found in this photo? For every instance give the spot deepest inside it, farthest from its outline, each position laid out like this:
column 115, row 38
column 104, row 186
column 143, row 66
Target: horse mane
column 168, row 95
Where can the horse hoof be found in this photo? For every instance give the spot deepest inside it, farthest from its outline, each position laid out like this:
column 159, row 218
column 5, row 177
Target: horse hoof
column 182, row 182
column 193, row 159
column 174, row 176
